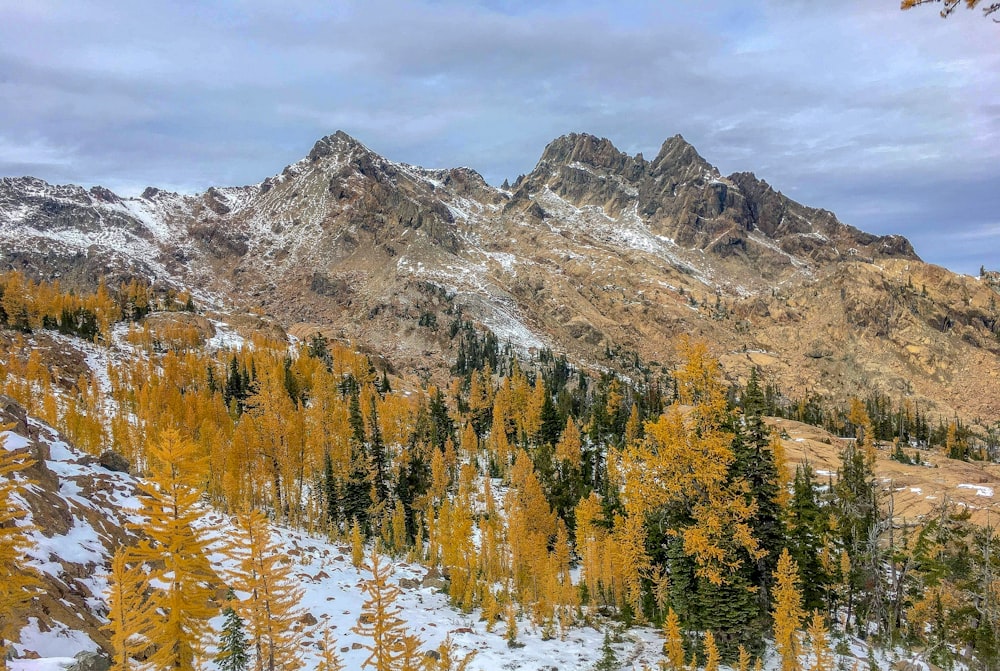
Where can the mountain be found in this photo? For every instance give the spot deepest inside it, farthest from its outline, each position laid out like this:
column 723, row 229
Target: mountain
column 601, row 256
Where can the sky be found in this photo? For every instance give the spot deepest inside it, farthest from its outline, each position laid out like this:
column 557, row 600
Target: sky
column 890, row 119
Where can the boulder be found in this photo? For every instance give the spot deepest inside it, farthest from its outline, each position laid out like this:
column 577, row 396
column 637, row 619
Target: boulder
column 90, row 661
column 113, row 461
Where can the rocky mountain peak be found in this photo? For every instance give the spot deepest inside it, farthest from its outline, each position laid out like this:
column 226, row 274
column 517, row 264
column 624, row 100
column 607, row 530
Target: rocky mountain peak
column 678, row 156
column 591, row 151
column 338, row 144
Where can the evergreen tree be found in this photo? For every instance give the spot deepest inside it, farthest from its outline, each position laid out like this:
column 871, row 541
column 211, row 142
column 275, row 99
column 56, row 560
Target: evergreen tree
column 808, row 527
column 551, row 422
column 441, row 426
column 856, row 492
column 412, row 483
column 330, row 490
column 233, row 648
column 379, row 459
column 609, row 658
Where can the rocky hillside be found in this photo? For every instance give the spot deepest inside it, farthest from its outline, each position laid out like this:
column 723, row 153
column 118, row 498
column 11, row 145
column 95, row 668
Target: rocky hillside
column 603, row 256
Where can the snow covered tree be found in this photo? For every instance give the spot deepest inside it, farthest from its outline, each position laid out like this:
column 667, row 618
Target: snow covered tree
column 18, row 583
column 271, row 606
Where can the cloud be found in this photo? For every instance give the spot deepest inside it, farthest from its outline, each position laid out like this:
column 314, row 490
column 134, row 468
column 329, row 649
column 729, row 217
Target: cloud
column 852, row 106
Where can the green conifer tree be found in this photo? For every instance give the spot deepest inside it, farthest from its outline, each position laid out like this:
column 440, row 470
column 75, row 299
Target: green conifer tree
column 609, row 658
column 233, row 648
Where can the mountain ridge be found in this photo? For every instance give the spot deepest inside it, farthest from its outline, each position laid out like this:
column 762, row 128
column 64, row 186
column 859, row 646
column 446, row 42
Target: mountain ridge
column 592, row 252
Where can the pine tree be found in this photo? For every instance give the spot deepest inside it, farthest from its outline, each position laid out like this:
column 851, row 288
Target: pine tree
column 18, row 583
column 609, row 658
column 787, row 612
column 808, row 528
column 380, row 621
column 754, row 462
column 272, row 605
column 130, row 617
column 233, row 647
column 379, row 459
column 175, row 553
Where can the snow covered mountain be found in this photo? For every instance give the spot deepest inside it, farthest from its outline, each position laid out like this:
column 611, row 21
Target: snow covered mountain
column 599, row 255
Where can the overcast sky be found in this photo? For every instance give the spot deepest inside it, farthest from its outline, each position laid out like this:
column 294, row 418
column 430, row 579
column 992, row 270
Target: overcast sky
column 890, row 119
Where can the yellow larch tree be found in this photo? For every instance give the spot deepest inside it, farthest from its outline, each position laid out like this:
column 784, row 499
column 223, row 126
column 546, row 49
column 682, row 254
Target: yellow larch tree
column 18, row 583
column 175, row 552
column 743, row 661
column 271, row 605
column 711, row 652
column 673, row 643
column 819, row 642
column 633, row 562
column 683, row 464
column 531, row 526
column 380, row 621
column 787, row 612
column 570, row 446
column 633, row 427
column 492, row 549
column 447, row 658
column 130, row 618
column 330, row 660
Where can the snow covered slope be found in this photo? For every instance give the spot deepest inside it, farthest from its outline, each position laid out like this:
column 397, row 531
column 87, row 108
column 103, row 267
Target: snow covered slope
column 81, row 511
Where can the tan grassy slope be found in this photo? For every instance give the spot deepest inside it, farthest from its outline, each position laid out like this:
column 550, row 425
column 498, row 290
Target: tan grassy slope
column 916, row 490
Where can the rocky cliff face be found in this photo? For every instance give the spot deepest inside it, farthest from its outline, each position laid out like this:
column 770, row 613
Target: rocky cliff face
column 593, row 252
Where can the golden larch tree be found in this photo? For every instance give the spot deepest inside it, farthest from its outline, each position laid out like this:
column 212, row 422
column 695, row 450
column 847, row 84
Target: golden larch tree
column 787, row 612
column 380, row 621
column 271, row 604
column 330, row 660
column 130, row 618
column 819, row 642
column 175, row 553
column 673, row 644
column 711, row 652
column 18, row 583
